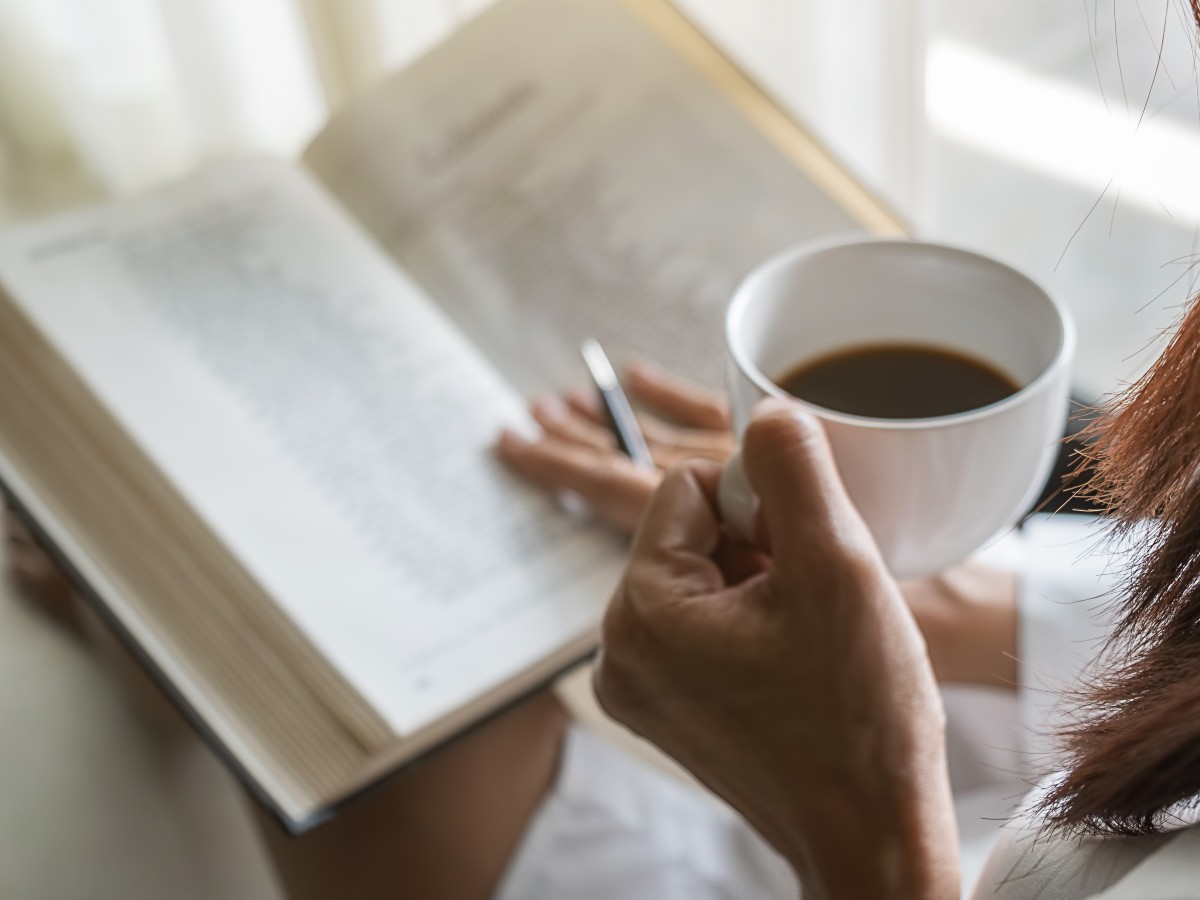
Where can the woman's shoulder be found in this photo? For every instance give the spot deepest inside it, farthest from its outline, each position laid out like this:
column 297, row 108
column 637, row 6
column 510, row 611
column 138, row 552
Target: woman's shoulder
column 1030, row 862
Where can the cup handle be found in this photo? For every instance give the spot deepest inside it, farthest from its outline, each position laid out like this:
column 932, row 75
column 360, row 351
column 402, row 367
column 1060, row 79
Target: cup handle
column 736, row 501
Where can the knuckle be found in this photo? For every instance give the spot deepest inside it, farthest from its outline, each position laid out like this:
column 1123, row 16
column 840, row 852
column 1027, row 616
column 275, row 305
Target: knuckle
column 608, row 695
column 678, row 474
column 633, row 627
column 611, row 471
column 714, row 410
column 643, row 590
column 614, row 689
column 619, row 628
column 606, row 473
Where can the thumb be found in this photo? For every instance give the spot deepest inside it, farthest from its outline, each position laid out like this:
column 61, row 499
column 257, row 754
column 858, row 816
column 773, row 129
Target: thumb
column 790, row 465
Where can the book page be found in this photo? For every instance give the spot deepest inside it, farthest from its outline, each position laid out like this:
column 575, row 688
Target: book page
column 555, row 171
column 328, row 422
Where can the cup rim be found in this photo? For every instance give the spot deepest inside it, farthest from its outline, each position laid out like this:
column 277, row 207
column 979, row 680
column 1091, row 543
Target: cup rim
column 746, row 290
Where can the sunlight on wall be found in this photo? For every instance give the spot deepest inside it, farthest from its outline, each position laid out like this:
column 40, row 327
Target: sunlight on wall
column 1059, row 130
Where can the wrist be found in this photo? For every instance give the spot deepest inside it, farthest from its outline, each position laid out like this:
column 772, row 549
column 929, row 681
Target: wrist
column 968, row 617
column 866, row 843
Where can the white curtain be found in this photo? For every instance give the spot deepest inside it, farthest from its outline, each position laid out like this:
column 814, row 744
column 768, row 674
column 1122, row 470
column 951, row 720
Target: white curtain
column 134, row 91
column 137, row 90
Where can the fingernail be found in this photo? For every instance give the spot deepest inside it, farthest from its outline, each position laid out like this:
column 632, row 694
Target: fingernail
column 510, row 440
column 769, row 405
column 550, row 408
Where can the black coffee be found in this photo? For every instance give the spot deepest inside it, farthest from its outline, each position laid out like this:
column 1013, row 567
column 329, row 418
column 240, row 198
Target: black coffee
column 897, row 381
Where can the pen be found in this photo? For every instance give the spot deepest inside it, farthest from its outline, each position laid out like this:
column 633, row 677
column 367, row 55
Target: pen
column 616, row 405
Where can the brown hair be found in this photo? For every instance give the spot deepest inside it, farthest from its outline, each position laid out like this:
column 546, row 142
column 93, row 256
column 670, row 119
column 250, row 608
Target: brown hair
column 1135, row 747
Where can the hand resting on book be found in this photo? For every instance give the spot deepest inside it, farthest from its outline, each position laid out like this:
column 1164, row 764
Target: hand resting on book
column 577, row 452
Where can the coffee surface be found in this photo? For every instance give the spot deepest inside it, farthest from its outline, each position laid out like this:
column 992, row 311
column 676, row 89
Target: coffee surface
column 897, row 381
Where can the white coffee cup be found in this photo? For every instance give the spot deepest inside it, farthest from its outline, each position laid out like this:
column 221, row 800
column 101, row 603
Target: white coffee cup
column 934, row 490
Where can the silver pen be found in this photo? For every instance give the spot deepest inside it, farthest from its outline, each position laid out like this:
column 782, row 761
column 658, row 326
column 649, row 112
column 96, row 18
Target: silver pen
column 617, row 410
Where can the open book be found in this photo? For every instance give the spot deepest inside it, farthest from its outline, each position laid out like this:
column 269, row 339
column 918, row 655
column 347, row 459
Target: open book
column 251, row 411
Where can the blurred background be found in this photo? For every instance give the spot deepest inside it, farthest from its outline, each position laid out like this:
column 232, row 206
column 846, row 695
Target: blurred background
column 1062, row 136
column 1046, row 132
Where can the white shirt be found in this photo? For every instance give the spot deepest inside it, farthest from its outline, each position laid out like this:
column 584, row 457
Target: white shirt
column 616, row 829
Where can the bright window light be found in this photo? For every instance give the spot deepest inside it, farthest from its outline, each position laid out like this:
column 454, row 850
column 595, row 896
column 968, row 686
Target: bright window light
column 1051, row 127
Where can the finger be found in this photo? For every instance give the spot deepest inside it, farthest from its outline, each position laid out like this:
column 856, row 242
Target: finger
column 675, row 398
column 586, row 403
column 14, row 528
column 612, row 485
column 674, row 444
column 668, row 445
column 738, row 561
column 676, row 588
column 680, row 529
column 791, row 468
column 560, row 420
column 32, row 566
